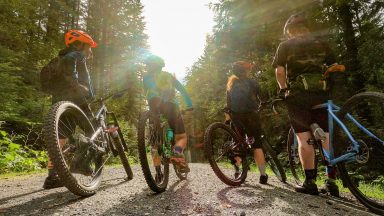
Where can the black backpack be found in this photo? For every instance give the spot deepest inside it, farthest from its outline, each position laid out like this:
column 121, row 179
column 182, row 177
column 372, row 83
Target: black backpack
column 49, row 75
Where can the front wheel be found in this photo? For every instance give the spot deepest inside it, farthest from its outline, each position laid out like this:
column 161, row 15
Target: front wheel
column 364, row 174
column 225, row 154
column 274, row 162
column 153, row 159
column 67, row 131
column 123, row 157
column 294, row 158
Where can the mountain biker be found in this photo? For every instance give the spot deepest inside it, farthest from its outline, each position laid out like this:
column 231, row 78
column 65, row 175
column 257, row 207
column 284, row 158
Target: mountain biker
column 243, row 100
column 304, row 55
column 159, row 88
column 73, row 84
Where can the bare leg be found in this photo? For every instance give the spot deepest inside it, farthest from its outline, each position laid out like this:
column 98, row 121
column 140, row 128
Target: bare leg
column 181, row 140
column 259, row 157
column 306, row 151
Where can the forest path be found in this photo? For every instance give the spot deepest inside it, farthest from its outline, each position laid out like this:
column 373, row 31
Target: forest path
column 202, row 194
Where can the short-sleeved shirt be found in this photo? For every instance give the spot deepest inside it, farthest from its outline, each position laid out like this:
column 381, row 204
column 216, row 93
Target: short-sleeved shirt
column 301, row 55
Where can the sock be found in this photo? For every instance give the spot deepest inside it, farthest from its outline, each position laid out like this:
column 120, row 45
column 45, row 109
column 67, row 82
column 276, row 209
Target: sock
column 310, row 174
column 331, row 172
column 177, row 150
column 262, row 170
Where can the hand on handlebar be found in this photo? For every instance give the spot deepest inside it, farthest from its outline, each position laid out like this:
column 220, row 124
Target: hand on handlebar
column 283, row 93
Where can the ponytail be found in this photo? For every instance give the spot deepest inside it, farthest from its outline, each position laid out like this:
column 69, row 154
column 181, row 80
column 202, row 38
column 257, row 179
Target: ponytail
column 230, row 82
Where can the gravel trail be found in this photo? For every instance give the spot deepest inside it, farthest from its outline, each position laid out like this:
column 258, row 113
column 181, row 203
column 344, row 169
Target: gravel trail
column 202, row 194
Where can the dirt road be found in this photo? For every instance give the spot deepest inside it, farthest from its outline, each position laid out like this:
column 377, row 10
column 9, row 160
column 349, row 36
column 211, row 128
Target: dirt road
column 202, row 194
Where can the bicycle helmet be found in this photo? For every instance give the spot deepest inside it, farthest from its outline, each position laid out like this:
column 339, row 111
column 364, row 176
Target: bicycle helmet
column 294, row 21
column 241, row 67
column 154, row 60
column 78, row 35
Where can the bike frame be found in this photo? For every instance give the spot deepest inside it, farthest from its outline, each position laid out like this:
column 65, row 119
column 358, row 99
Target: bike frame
column 101, row 116
column 332, row 117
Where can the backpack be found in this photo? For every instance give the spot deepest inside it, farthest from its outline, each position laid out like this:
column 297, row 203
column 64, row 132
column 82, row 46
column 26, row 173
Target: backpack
column 49, row 75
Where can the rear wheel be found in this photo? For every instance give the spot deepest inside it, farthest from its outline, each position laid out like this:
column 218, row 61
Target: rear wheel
column 364, row 175
column 294, row 159
column 225, row 154
column 151, row 152
column 67, row 132
column 273, row 162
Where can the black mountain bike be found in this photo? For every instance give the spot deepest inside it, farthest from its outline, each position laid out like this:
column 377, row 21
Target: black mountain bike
column 224, row 143
column 155, row 143
column 79, row 147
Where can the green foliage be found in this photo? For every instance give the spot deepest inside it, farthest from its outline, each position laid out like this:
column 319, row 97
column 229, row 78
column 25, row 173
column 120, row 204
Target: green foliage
column 15, row 158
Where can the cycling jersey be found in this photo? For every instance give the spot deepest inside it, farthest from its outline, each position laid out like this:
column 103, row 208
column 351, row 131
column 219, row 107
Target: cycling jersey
column 243, row 96
column 302, row 55
column 163, row 85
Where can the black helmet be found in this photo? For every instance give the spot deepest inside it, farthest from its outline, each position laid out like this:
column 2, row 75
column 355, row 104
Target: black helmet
column 154, row 60
column 293, row 21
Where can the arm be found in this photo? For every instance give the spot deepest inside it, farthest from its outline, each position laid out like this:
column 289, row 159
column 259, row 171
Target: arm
column 281, row 77
column 149, row 87
column 179, row 87
column 279, row 63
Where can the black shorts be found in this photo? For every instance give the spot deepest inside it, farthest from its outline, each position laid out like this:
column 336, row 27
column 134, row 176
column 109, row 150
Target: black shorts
column 171, row 111
column 302, row 115
column 249, row 123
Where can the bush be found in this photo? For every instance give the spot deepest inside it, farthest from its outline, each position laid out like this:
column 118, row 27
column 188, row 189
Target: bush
column 15, row 158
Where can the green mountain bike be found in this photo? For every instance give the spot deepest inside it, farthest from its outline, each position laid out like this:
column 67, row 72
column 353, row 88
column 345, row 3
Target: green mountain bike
column 155, row 142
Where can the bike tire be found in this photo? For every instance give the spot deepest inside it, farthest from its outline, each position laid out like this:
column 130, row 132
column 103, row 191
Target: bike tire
column 274, row 162
column 209, row 152
column 51, row 139
column 123, row 157
column 158, row 188
column 294, row 159
column 348, row 170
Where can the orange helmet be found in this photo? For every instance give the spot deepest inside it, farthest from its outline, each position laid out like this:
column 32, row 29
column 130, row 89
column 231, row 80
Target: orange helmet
column 78, row 35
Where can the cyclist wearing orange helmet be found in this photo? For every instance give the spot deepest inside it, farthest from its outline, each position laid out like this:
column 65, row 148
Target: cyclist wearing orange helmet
column 243, row 100
column 72, row 82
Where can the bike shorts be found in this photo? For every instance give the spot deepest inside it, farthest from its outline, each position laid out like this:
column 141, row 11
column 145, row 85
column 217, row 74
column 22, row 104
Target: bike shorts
column 302, row 115
column 171, row 111
column 249, row 123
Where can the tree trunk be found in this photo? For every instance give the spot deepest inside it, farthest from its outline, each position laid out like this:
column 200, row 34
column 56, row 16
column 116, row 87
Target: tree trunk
column 352, row 60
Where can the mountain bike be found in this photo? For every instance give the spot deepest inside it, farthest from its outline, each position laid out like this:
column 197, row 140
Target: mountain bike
column 80, row 145
column 155, row 143
column 356, row 147
column 224, row 144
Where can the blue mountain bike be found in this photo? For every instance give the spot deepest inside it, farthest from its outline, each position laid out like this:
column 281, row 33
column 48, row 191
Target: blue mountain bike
column 356, row 147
